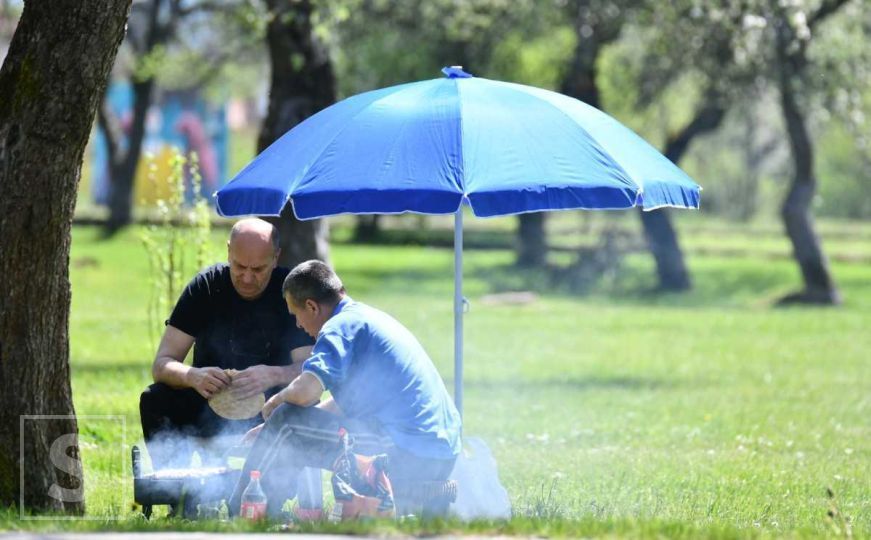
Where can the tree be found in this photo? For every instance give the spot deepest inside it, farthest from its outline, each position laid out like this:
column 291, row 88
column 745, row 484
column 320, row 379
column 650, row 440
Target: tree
column 763, row 46
column 191, row 42
column 302, row 84
column 793, row 31
column 148, row 31
column 50, row 83
column 595, row 24
column 388, row 42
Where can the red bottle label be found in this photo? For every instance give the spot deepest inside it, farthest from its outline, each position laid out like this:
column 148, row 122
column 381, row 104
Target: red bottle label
column 253, row 510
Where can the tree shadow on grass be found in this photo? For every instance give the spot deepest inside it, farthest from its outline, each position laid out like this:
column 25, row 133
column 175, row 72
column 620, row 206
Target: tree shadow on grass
column 108, row 368
column 740, row 285
column 412, row 281
column 573, row 384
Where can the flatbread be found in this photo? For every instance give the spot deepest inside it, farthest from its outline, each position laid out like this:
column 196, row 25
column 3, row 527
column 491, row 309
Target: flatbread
column 227, row 405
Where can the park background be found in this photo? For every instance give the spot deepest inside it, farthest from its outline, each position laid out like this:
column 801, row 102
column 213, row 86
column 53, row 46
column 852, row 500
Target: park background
column 627, row 382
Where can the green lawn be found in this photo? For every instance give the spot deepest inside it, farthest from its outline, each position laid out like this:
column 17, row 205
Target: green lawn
column 616, row 412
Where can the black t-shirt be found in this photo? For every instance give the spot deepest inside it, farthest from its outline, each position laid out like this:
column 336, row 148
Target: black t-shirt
column 231, row 332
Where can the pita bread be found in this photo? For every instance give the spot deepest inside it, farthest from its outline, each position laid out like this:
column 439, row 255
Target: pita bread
column 226, row 404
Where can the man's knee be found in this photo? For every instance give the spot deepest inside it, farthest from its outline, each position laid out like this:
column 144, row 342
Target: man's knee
column 286, row 412
column 155, row 395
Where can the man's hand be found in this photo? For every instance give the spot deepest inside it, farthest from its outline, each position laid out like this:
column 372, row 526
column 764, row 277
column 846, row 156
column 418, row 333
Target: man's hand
column 250, row 435
column 254, row 380
column 272, row 404
column 207, row 381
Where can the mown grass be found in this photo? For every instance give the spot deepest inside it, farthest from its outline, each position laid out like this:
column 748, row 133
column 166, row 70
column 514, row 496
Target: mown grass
column 615, row 412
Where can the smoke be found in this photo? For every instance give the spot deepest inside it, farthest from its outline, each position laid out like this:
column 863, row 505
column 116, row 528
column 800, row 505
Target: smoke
column 203, row 470
column 480, row 494
column 180, row 449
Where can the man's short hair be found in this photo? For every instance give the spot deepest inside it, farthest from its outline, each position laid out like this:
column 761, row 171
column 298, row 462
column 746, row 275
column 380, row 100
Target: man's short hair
column 313, row 280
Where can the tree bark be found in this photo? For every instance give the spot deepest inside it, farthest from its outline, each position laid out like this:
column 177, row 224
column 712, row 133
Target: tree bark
column 302, row 84
column 662, row 238
column 53, row 77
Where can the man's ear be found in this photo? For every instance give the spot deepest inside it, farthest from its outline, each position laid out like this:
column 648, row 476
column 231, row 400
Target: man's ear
column 312, row 306
column 277, row 256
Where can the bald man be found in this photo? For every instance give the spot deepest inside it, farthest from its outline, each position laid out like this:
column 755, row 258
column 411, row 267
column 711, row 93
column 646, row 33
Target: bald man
column 234, row 316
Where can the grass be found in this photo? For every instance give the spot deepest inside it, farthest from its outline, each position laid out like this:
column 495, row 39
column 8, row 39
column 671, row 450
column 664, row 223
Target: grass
column 610, row 413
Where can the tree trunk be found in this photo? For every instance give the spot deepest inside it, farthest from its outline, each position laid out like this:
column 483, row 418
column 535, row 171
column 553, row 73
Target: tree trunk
column 819, row 288
column 53, row 77
column 124, row 150
column 122, row 167
column 531, row 244
column 366, row 228
column 579, row 83
column 661, row 236
column 302, row 84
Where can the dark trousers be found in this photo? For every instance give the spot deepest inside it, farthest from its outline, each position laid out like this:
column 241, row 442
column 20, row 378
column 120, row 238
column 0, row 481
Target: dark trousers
column 298, row 437
column 171, row 416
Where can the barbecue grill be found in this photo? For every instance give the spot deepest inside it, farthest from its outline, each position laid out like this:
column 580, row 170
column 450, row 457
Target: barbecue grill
column 182, row 488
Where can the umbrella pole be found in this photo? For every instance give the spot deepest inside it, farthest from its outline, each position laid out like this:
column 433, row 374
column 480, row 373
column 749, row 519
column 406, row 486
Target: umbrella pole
column 458, row 310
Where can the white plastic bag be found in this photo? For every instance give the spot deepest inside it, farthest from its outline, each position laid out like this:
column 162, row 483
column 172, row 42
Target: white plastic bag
column 480, row 495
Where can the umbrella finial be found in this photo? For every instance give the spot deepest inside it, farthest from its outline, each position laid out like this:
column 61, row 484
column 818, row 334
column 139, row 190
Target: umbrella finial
column 455, row 72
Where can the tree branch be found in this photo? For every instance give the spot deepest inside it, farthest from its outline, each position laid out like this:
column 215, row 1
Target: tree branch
column 828, row 7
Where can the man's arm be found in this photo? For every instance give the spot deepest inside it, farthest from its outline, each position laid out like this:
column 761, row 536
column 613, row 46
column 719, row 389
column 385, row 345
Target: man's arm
column 257, row 379
column 304, row 391
column 169, row 367
column 330, row 406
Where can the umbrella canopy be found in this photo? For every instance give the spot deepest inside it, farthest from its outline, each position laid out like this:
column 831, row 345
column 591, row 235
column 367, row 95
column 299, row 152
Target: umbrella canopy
column 429, row 147
column 425, row 147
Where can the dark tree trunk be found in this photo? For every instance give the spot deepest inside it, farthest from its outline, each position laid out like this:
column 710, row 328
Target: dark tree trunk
column 302, row 84
column 579, row 83
column 661, row 236
column 531, row 244
column 53, row 77
column 123, row 165
column 366, row 228
column 124, row 158
column 819, row 287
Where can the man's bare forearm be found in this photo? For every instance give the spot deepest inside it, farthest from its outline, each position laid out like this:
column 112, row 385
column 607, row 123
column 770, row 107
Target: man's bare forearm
column 283, row 375
column 170, row 371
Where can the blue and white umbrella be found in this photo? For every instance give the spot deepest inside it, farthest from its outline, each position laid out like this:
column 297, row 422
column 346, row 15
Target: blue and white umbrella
column 432, row 146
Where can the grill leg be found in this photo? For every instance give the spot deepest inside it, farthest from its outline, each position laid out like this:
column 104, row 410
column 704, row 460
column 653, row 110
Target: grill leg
column 146, row 511
column 189, row 510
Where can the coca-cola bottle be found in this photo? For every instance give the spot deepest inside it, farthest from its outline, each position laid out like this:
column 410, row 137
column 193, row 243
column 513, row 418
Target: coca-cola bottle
column 253, row 499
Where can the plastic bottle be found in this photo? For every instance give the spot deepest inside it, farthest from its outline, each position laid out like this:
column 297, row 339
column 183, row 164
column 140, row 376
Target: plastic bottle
column 253, row 499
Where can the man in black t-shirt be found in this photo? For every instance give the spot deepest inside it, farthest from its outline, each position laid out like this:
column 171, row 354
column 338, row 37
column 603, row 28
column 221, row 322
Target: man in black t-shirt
column 234, row 316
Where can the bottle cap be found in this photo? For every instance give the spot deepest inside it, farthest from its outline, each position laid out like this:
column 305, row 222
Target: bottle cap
column 255, row 474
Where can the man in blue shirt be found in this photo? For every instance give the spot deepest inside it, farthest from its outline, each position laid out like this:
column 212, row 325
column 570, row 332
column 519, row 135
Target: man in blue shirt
column 383, row 389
